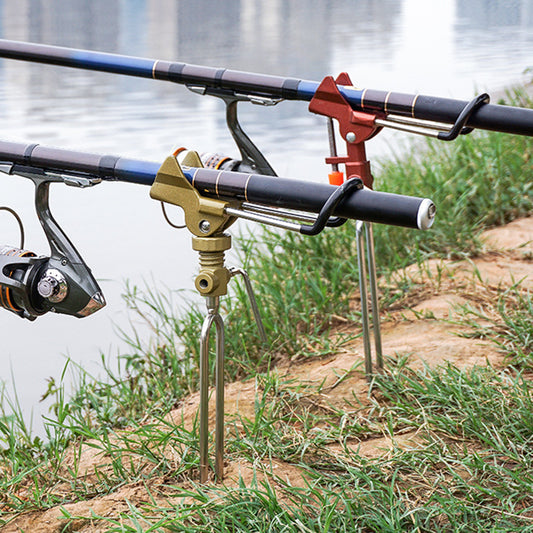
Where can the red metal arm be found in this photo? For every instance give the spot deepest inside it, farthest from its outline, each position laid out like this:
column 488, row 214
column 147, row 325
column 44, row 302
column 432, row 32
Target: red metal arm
column 355, row 126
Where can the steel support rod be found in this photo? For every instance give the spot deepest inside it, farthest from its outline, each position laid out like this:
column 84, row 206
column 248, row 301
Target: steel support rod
column 359, row 228
column 213, row 316
column 253, row 302
column 374, row 296
column 368, row 277
column 219, row 408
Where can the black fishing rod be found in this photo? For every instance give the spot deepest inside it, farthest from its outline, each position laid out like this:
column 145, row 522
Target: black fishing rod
column 412, row 108
column 32, row 285
column 285, row 193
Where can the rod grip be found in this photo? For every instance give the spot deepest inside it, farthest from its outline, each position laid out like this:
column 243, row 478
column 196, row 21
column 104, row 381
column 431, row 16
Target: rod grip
column 364, row 204
column 389, row 208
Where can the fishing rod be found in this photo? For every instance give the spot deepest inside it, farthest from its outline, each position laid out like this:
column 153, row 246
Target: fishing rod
column 211, row 199
column 412, row 108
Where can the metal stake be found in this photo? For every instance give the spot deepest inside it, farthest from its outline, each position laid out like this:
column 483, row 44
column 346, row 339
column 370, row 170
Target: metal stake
column 212, row 282
column 360, row 228
column 371, row 258
column 212, row 316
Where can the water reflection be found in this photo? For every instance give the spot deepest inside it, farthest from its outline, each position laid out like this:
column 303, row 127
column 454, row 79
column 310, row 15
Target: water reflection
column 441, row 47
column 483, row 15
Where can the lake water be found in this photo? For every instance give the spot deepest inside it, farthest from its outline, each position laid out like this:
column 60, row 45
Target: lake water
column 441, row 47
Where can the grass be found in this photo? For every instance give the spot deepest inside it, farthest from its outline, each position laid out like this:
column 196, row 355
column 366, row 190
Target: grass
column 468, row 468
column 471, row 467
column 506, row 321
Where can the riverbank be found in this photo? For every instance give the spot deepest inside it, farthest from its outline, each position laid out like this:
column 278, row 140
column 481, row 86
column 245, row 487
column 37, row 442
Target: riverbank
column 311, row 437
column 439, row 441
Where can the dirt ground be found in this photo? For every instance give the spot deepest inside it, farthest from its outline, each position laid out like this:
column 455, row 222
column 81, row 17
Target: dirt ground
column 419, row 329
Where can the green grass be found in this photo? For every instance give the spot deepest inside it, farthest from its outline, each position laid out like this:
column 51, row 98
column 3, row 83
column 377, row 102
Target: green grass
column 507, row 322
column 470, row 469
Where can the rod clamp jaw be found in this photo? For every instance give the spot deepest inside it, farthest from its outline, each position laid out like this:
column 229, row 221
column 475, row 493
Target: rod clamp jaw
column 204, row 217
column 355, row 127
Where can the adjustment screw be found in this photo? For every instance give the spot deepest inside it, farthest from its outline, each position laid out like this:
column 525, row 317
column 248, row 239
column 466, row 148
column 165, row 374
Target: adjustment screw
column 205, row 226
column 351, row 137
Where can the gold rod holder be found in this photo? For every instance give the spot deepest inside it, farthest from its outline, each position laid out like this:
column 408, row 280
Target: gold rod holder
column 206, row 219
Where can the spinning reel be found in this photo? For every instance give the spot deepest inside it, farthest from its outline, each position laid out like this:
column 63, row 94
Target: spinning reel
column 32, row 285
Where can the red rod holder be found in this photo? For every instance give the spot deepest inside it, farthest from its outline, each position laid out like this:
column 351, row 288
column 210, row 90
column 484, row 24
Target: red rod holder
column 355, row 126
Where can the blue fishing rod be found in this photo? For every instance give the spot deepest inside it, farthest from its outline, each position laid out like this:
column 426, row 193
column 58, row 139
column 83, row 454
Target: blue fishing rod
column 393, row 109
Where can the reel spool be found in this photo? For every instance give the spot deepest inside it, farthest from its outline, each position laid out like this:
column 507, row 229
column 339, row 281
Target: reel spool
column 11, row 297
column 28, row 286
column 223, row 162
column 31, row 286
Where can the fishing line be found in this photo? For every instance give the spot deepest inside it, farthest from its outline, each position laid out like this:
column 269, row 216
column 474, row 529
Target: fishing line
column 19, row 220
column 170, row 223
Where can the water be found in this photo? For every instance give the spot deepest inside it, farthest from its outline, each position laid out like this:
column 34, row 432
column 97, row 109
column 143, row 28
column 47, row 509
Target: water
column 441, row 47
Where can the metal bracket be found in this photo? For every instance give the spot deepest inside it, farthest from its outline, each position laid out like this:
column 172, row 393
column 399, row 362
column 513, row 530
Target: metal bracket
column 439, row 130
column 252, row 158
column 60, row 244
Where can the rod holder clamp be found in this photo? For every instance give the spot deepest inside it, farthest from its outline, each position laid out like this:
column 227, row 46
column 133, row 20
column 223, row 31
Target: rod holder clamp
column 203, row 216
column 355, row 127
column 459, row 127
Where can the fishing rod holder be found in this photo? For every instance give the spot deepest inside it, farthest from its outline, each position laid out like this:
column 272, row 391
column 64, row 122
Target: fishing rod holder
column 355, row 128
column 206, row 219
